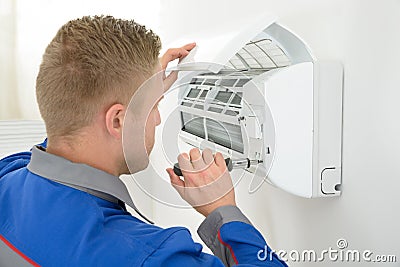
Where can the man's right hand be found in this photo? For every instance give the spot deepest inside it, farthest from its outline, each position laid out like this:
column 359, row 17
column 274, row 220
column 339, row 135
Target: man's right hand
column 206, row 183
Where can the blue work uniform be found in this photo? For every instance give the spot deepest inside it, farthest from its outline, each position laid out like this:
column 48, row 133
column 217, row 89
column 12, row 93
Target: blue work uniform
column 54, row 212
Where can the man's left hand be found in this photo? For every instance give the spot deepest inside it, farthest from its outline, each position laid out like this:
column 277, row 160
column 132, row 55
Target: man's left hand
column 170, row 55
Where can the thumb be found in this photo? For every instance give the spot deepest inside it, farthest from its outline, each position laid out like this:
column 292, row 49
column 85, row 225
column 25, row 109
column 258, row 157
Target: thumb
column 170, row 79
column 175, row 180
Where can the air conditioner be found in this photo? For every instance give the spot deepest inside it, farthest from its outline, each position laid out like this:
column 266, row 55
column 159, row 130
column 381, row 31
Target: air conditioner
column 259, row 93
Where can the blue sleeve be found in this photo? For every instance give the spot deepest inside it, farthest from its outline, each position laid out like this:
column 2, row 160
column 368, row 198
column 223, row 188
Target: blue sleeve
column 16, row 161
column 235, row 241
column 179, row 249
column 246, row 245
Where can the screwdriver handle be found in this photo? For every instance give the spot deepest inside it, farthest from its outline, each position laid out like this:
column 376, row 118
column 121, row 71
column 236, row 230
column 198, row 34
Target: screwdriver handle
column 177, row 169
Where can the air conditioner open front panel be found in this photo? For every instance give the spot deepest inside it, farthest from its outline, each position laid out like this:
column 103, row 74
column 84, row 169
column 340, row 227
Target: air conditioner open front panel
column 297, row 118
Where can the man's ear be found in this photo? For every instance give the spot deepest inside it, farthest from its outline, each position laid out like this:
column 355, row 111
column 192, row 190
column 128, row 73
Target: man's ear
column 115, row 120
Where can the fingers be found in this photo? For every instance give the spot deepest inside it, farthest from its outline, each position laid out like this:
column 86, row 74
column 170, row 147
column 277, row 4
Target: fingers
column 175, row 53
column 205, row 189
column 219, row 160
column 208, row 156
column 176, row 182
column 189, row 46
column 197, row 159
column 184, row 163
column 170, row 55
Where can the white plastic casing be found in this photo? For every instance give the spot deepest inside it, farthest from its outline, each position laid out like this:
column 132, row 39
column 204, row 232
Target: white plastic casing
column 305, row 99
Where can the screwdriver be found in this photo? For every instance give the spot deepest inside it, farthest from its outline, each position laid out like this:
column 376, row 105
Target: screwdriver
column 230, row 164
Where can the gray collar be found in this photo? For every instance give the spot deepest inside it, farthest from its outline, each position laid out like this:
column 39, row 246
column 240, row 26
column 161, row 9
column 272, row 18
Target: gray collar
column 80, row 176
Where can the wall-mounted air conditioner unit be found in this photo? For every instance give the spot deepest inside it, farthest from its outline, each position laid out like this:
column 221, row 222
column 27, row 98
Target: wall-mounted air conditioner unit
column 259, row 93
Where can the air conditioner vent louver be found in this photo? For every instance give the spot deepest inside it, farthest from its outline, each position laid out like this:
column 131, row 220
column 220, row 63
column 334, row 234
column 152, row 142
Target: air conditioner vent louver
column 259, row 54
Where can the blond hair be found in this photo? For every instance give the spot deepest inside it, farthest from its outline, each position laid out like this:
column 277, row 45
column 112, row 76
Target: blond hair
column 92, row 62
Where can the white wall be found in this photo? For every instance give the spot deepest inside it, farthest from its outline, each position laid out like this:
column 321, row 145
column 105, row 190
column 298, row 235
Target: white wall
column 365, row 36
column 8, row 79
column 26, row 29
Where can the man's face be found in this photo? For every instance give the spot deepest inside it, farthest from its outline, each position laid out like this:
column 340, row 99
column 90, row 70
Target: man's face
column 141, row 121
column 153, row 118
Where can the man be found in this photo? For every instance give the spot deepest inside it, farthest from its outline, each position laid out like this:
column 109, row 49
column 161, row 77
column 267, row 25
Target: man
column 62, row 204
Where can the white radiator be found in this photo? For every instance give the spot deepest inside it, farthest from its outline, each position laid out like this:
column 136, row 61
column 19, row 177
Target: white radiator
column 20, row 135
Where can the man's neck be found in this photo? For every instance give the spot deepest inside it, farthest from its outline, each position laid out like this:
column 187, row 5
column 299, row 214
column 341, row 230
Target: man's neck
column 83, row 150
